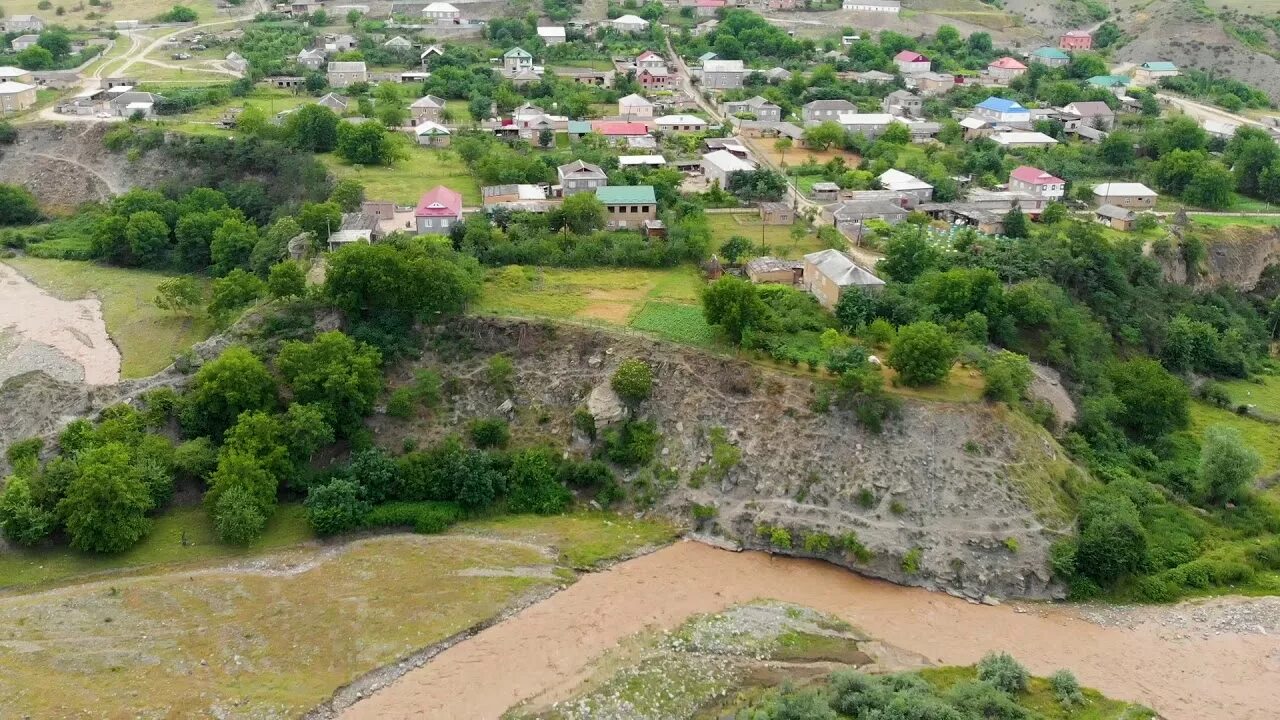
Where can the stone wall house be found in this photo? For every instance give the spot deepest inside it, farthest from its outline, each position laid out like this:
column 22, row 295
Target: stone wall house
column 344, row 74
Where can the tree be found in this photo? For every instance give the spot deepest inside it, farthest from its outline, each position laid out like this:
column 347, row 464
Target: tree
column 335, row 373
column 178, row 294
column 1007, row 376
column 304, row 430
column 1153, row 402
column 1116, row 149
column 235, row 382
column 1211, row 186
column 232, row 244
column 398, row 286
column 312, row 127
column 56, row 41
column 923, row 353
column 533, row 484
column 908, row 253
column 735, row 248
column 1003, row 672
column 633, row 381
column 733, row 304
column 237, row 517
column 348, row 194
column 782, row 145
column 824, row 135
column 17, row 205
column 180, row 14
column 233, row 292
column 1174, row 171
column 320, row 219
column 582, row 213
column 286, row 280
column 148, row 237
column 247, row 478
column 105, row 507
column 34, row 58
column 1227, row 465
column 22, row 519
column 336, row 507
column 8, row 134
column 1054, row 213
column 365, row 143
column 1180, row 133
column 1015, row 223
column 1112, row 542
column 896, row 134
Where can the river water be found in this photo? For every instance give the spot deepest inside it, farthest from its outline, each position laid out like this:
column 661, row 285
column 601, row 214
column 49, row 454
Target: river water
column 543, row 652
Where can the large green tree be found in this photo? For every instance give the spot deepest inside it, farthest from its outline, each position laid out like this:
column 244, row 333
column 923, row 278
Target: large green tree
column 234, row 382
column 105, row 508
column 366, row 143
column 335, row 373
column 1227, row 465
column 735, row 305
column 923, row 353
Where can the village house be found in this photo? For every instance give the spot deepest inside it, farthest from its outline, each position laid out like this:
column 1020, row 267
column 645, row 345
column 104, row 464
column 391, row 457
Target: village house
column 910, row 62
column 23, row 24
column 340, row 238
column 717, row 166
column 441, row 13
column 1115, row 217
column 1037, row 182
column 16, row 96
column 521, row 197
column 579, row 176
column 341, row 43
column 311, row 59
column 655, row 79
column 630, row 24
column 776, row 5
column 429, row 52
column 870, row 125
column 1075, row 40
column 722, row 74
column 427, row 107
column 128, row 102
column 586, row 76
column 15, row 74
column 1125, row 194
column 343, row 74
column 516, row 60
column 1023, row 138
column 628, row 206
column 997, row 110
column 398, row 42
column 903, row 103
column 825, row 191
column 820, row 111
column 1150, row 72
column 650, row 60
column 850, row 217
column 707, row 8
column 931, row 83
column 22, row 42
column 650, row 161
column 1219, row 129
column 774, row 270
column 438, row 211
column 911, row 188
column 288, row 82
column 776, row 213
column 336, row 103
column 432, row 134
column 829, row 273
column 762, row 109
column 778, row 75
column 1115, row 83
column 635, row 107
column 705, row 27
column 892, row 7
column 1053, row 57
column 1005, row 69
column 680, row 123
column 1094, row 113
column 551, row 35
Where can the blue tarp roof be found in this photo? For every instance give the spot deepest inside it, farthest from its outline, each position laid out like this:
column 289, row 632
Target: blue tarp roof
column 1000, row 105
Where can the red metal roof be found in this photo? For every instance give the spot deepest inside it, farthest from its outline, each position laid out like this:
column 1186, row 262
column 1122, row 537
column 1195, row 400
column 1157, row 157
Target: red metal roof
column 1035, row 176
column 910, row 56
column 621, row 128
column 649, row 55
column 439, row 201
column 1008, row 63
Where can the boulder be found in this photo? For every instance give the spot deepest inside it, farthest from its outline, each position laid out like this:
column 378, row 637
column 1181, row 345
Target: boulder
column 605, row 405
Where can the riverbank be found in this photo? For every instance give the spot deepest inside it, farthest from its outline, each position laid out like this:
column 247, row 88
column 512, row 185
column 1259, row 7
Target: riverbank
column 1184, row 676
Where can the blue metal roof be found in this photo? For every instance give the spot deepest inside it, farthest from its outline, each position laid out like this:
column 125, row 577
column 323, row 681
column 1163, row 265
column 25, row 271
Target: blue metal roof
column 996, row 104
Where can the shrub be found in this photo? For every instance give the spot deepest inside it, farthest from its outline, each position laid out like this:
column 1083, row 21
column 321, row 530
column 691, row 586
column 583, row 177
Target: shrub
column 400, row 405
column 376, row 474
column 911, row 561
column 1066, row 690
column 237, row 517
column 817, row 543
column 1003, row 672
column 585, row 422
column 780, row 537
column 1157, row 589
column 923, row 353
column 533, row 484
column 632, row 444
column 423, row 517
column 489, row 432
column 850, row 543
column 591, row 474
column 633, row 381
column 702, row 512
column 1011, row 543
column 866, row 499
column 879, row 333
column 501, row 372
column 22, row 520
column 1007, row 376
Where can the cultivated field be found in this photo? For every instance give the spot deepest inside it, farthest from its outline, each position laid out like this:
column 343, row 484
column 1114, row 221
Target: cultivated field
column 147, row 336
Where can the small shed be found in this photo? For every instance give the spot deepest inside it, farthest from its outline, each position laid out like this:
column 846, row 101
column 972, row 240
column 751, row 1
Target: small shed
column 1116, row 217
column 775, row 270
column 825, row 191
column 776, row 213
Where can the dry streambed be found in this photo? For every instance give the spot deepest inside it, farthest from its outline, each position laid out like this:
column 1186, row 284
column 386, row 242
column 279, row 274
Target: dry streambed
column 64, row 338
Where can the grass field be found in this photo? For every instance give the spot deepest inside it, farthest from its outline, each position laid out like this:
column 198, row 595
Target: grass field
column 405, row 181
column 269, row 100
column 119, row 10
column 776, row 238
column 147, row 336
column 1263, row 437
column 599, row 295
column 1217, row 221
column 1264, row 393
column 275, row 637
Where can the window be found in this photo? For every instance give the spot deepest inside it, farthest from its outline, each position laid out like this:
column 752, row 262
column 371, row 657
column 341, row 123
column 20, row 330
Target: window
column 444, row 222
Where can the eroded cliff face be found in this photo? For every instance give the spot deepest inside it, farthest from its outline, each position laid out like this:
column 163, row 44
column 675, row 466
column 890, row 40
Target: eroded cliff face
column 962, row 497
column 1236, row 256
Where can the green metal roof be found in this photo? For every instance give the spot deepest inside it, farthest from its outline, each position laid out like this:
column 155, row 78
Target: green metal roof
column 1160, row 66
column 516, row 52
column 579, row 127
column 1109, row 80
column 1050, row 53
column 626, row 195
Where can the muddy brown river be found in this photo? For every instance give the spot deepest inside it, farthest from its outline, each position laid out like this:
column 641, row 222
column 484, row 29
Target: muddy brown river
column 543, row 652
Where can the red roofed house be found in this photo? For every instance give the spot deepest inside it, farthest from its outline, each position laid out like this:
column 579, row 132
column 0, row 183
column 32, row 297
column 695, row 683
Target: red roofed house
column 621, row 130
column 909, row 62
column 1037, row 182
column 1005, row 69
column 438, row 210
column 1075, row 40
column 650, row 60
column 708, row 8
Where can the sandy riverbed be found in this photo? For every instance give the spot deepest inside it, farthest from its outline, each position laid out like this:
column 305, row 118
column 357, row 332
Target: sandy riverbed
column 548, row 649
column 65, row 338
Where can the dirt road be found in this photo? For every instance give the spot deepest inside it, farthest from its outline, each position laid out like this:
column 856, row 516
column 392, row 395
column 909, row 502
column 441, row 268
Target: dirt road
column 550, row 647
